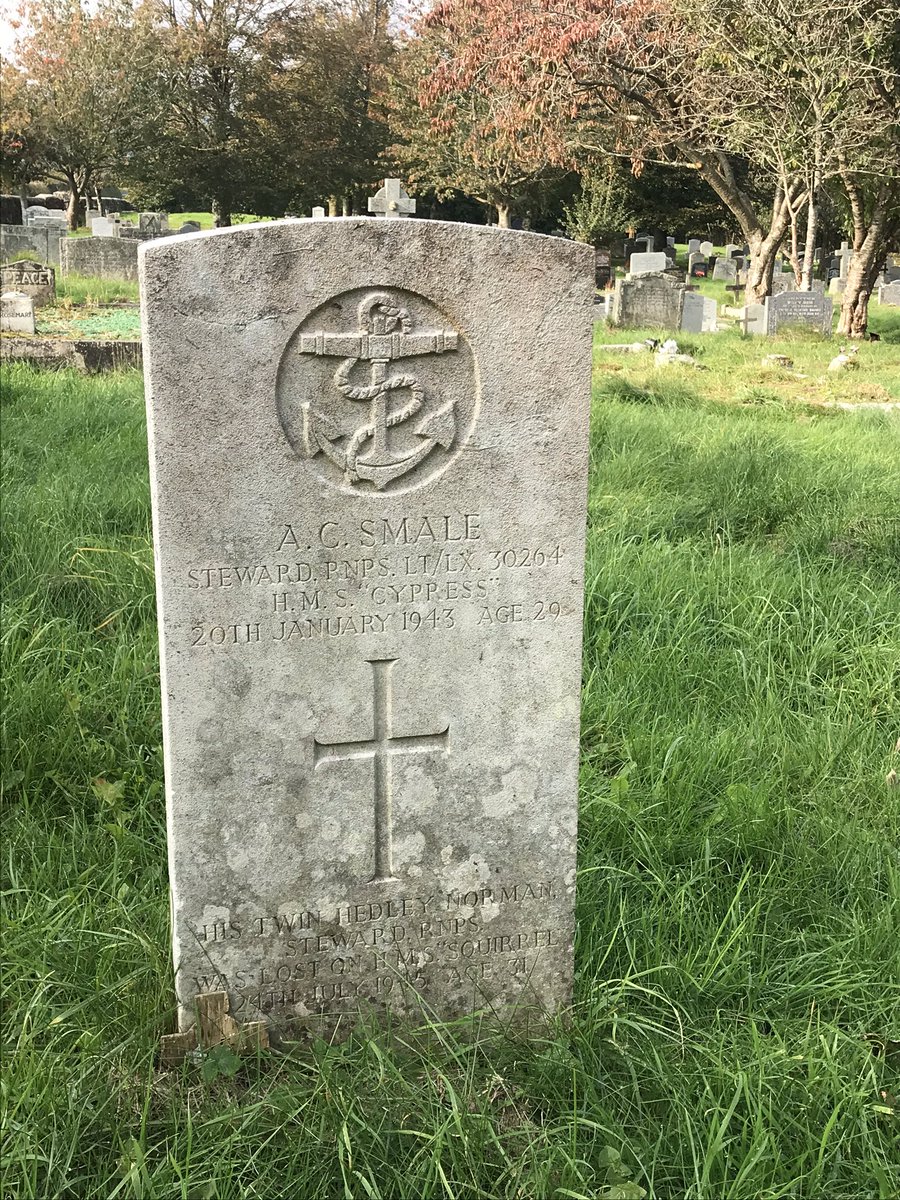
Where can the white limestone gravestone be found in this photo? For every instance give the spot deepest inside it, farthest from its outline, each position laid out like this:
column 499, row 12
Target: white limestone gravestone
column 369, row 455
column 706, row 249
column 647, row 263
column 16, row 313
column 318, row 212
column 392, row 201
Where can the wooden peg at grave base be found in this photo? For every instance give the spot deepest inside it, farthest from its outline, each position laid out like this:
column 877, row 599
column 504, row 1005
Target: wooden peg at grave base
column 216, row 1026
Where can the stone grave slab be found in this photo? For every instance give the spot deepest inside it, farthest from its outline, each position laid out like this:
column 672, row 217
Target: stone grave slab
column 752, row 319
column 706, row 249
column 725, row 269
column 692, row 313
column 16, row 313
column 648, row 301
column 783, row 281
column 811, row 309
column 890, row 294
column 368, row 457
column 29, row 278
column 693, row 246
column 647, row 263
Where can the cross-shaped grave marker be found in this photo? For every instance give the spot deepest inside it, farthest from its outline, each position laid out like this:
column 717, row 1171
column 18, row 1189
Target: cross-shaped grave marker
column 380, row 747
column 392, row 201
column 845, row 254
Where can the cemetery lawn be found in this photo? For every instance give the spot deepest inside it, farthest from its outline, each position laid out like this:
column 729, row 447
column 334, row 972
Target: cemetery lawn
column 735, row 1034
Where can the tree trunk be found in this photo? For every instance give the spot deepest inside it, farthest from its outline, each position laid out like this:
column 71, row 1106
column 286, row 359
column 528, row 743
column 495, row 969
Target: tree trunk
column 860, row 281
column 763, row 252
column 345, row 206
column 332, row 206
column 74, row 204
column 221, row 212
column 870, row 242
column 812, row 228
column 717, row 170
column 502, row 215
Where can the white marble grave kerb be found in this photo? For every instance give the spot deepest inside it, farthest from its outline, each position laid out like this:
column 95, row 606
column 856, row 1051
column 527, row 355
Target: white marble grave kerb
column 369, row 452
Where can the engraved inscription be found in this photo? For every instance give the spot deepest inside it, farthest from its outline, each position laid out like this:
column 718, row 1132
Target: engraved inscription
column 416, row 416
column 380, row 747
column 400, row 576
column 377, row 949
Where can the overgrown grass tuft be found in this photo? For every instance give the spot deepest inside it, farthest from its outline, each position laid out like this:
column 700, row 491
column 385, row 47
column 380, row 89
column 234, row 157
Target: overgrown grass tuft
column 735, row 1032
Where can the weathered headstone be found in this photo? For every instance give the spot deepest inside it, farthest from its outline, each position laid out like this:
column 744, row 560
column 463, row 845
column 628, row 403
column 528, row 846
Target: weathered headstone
column 783, row 281
column 753, row 319
column 16, row 313
column 836, row 286
column 692, row 313
column 890, row 293
column 699, row 313
column 29, row 278
column 369, row 504
column 646, row 263
column 105, row 226
column 732, row 250
column 706, row 249
column 100, row 258
column 318, row 212
column 844, row 256
column 189, row 227
column 810, row 309
column 725, row 269
column 697, row 266
column 693, row 246
column 602, row 266
column 154, row 224
column 648, row 301
column 11, row 210
column 391, row 200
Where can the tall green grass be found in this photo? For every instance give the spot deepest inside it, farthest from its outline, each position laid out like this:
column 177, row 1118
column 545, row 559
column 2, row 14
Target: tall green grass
column 735, row 1032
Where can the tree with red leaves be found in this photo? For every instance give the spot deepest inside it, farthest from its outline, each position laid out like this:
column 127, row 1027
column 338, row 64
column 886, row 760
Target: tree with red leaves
column 76, row 83
column 653, row 80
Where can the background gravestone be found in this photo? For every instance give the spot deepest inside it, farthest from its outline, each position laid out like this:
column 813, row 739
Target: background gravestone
column 648, row 301
column 16, row 313
column 369, row 454
column 890, row 293
column 29, row 278
column 788, row 309
column 100, row 257
column 647, row 263
column 602, row 267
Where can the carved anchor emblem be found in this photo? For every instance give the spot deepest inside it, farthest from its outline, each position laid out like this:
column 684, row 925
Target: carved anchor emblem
column 385, row 333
